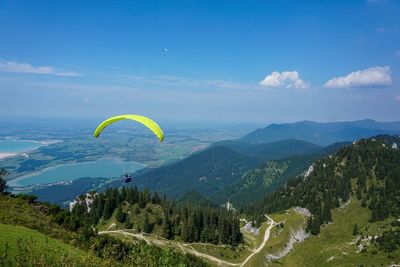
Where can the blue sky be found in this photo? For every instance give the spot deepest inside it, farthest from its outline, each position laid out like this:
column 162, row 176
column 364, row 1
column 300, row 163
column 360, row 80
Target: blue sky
column 226, row 61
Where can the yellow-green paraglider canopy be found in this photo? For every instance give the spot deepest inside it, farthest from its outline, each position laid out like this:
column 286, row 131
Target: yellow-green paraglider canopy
column 149, row 123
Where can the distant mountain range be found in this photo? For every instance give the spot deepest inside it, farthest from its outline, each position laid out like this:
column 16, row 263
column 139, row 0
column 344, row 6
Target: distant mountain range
column 321, row 133
column 243, row 170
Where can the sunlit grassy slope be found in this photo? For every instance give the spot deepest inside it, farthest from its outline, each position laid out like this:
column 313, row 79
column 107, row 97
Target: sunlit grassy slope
column 19, row 243
column 16, row 211
column 30, row 237
column 278, row 236
column 336, row 245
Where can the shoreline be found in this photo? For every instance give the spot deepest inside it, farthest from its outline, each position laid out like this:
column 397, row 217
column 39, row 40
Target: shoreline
column 14, row 182
column 4, row 155
column 9, row 154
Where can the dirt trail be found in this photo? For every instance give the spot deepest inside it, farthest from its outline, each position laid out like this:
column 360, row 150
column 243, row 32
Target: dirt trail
column 187, row 248
column 266, row 237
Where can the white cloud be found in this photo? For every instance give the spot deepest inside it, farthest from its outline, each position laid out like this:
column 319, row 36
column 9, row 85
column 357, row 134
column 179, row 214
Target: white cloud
column 178, row 81
column 16, row 67
column 222, row 84
column 376, row 76
column 288, row 79
column 382, row 29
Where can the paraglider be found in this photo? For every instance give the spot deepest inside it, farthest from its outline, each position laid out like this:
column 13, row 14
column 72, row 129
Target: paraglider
column 127, row 178
column 149, row 123
column 164, row 51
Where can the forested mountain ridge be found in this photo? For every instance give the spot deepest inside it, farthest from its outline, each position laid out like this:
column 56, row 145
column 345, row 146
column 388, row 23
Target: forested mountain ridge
column 266, row 178
column 206, row 172
column 369, row 170
column 321, row 133
column 215, row 170
column 262, row 180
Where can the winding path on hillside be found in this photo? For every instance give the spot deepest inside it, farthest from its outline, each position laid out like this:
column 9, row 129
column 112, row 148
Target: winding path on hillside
column 266, row 237
column 187, row 248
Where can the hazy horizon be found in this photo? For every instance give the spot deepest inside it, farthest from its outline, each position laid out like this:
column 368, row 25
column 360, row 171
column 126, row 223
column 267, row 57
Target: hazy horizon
column 181, row 124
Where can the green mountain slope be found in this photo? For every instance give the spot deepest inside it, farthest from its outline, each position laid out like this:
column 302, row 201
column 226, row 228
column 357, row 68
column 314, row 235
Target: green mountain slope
column 206, row 172
column 23, row 211
column 336, row 245
column 20, row 245
column 275, row 150
column 213, row 170
column 194, row 198
column 353, row 199
column 258, row 182
column 262, row 180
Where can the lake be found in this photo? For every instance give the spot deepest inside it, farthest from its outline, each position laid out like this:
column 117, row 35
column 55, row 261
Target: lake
column 100, row 168
column 15, row 146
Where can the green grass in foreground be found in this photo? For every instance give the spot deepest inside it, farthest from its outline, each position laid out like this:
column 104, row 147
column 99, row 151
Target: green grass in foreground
column 28, row 247
column 16, row 211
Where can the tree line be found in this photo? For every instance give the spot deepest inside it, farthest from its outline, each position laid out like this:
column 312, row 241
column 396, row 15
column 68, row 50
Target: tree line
column 177, row 221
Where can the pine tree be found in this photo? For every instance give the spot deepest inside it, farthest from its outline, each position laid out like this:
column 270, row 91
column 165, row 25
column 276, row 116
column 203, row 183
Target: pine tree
column 185, row 231
column 355, row 230
column 120, row 215
column 146, row 226
column 166, row 227
column 326, row 214
column 136, row 210
column 236, row 234
column 108, row 209
column 313, row 225
column 2, row 181
column 128, row 224
column 156, row 198
column 123, row 194
column 141, row 201
column 364, row 202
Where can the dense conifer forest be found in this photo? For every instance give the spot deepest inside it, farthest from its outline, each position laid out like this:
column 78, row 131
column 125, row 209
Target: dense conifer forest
column 178, row 221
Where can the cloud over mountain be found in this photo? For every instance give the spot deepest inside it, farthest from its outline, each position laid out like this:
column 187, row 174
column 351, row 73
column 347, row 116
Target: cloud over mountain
column 376, row 76
column 288, row 79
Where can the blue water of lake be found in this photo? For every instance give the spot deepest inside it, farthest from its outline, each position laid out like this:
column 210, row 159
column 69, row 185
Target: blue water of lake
column 15, row 146
column 100, row 168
